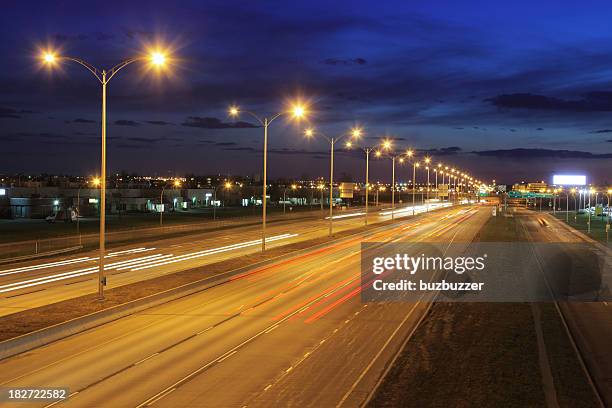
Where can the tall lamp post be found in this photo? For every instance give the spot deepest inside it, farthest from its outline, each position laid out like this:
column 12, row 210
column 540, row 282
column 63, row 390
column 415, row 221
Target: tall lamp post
column 297, row 111
column 367, row 151
column 387, row 145
column 427, row 161
column 415, row 165
column 156, row 59
column 310, row 133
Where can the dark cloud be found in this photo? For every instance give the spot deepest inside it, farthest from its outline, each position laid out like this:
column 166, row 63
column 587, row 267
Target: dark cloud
column 542, row 153
column 540, row 128
column 443, row 151
column 602, row 131
column 123, row 122
column 6, row 112
column 341, row 61
column 214, row 123
column 144, row 139
column 81, row 120
column 157, row 122
column 226, row 144
column 241, row 149
column 592, row 102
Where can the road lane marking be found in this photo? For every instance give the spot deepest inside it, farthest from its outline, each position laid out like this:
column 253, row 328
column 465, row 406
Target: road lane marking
column 227, row 356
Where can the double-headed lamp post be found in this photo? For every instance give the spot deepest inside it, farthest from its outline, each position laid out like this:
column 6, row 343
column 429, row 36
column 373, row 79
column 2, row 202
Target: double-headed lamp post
column 297, row 111
column 156, row 59
column 367, row 151
column 387, row 145
column 310, row 133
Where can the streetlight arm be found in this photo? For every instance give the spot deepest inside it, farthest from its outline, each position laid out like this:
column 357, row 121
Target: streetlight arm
column 119, row 67
column 95, row 71
column 257, row 118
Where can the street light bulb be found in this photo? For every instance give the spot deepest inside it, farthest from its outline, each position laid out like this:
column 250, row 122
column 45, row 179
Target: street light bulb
column 177, row 183
column 299, row 111
column 49, row 57
column 96, row 181
column 439, row 164
column 158, row 59
column 417, row 164
column 427, row 160
column 293, row 186
column 378, row 153
column 409, row 153
column 387, row 144
column 228, row 185
column 309, row 133
column 401, row 160
column 234, row 111
column 356, row 133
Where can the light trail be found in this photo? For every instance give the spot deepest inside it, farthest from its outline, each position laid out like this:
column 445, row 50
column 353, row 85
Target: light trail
column 71, row 261
column 212, row 251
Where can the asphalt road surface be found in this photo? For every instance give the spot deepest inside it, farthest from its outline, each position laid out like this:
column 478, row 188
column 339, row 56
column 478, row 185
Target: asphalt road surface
column 292, row 333
column 36, row 283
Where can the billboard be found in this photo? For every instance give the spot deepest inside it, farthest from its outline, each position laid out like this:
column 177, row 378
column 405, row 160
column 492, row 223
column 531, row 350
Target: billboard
column 346, row 190
column 569, row 180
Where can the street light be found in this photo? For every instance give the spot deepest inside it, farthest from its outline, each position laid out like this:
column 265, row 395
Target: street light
column 387, row 145
column 297, row 111
column 427, row 161
column 310, row 133
column 157, row 59
column 367, row 150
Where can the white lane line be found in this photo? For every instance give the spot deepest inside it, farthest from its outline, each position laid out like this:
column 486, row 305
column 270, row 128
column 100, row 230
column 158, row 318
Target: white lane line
column 227, row 356
column 161, row 396
column 145, row 359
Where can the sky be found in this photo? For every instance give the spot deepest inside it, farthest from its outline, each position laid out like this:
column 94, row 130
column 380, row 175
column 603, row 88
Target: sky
column 510, row 91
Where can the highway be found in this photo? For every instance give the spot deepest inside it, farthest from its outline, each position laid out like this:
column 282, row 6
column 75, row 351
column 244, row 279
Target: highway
column 36, row 283
column 590, row 322
column 292, row 333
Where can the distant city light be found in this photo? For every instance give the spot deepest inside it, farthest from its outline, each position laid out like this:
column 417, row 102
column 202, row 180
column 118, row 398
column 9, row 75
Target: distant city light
column 569, row 180
column 2, row 191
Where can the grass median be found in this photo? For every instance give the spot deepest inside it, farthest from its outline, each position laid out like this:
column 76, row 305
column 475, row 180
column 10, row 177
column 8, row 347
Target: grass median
column 485, row 354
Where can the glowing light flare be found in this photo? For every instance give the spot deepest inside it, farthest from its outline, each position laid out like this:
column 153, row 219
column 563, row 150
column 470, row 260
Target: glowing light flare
column 234, row 111
column 298, row 111
column 158, row 58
